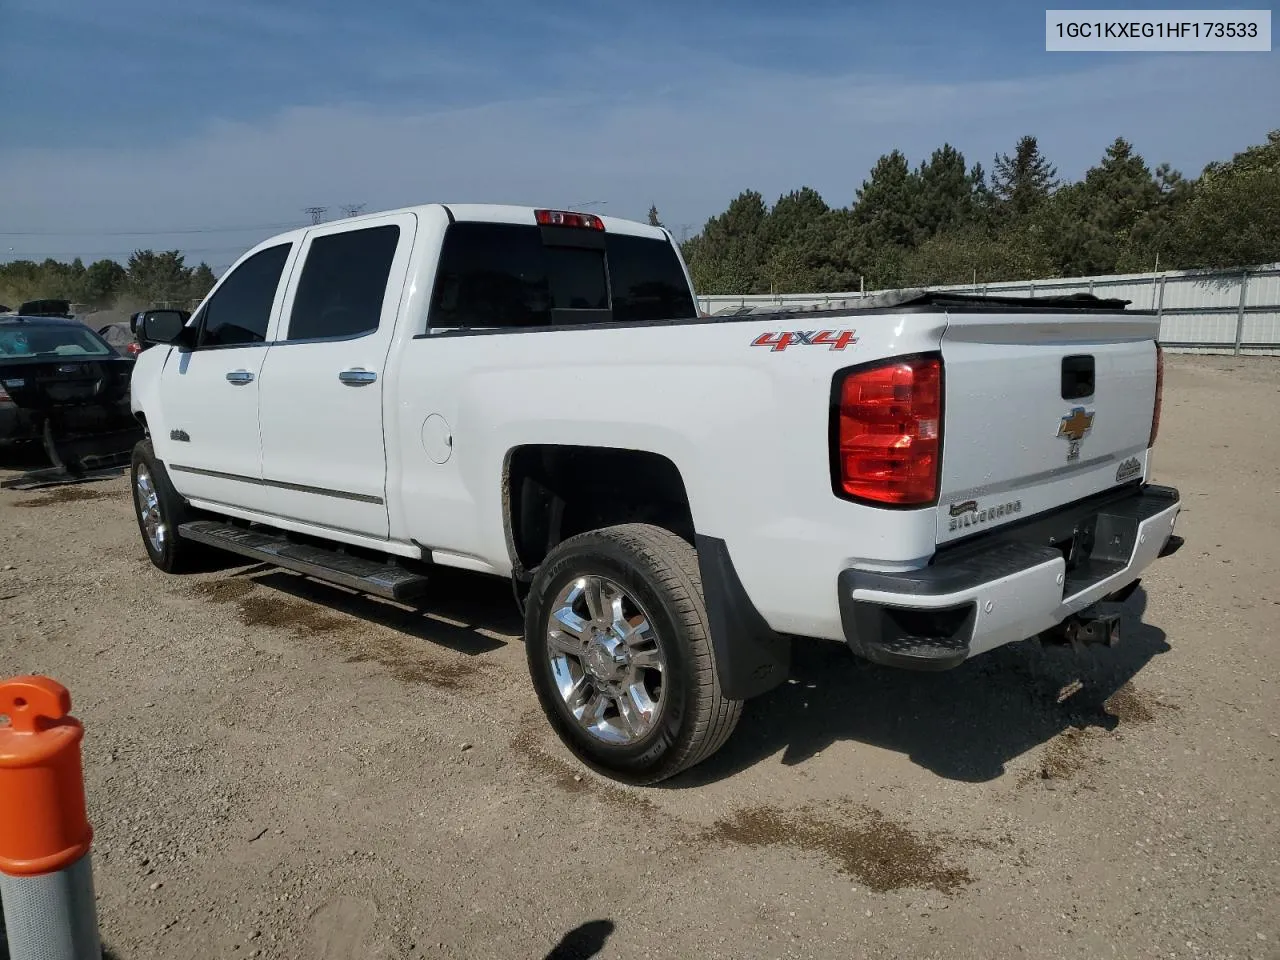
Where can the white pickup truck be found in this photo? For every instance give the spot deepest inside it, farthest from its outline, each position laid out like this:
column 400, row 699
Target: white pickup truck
column 533, row 394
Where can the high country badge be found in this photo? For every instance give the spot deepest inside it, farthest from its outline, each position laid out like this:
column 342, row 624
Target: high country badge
column 1128, row 469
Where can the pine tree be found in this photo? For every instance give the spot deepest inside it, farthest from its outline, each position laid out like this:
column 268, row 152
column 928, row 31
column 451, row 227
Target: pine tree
column 202, row 281
column 728, row 256
column 1022, row 182
column 886, row 203
column 802, row 249
column 946, row 192
column 1103, row 223
column 653, row 216
column 1232, row 217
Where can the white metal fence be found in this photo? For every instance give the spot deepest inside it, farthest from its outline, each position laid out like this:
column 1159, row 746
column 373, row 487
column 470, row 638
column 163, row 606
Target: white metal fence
column 1223, row 311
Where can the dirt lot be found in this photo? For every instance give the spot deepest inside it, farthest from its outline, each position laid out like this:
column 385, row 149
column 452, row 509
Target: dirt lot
column 277, row 768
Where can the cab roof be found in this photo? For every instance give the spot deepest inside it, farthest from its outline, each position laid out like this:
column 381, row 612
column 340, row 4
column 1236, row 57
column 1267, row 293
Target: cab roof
column 476, row 213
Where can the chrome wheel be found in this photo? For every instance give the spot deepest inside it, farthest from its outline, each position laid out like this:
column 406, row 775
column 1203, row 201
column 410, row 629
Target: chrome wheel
column 606, row 660
column 148, row 501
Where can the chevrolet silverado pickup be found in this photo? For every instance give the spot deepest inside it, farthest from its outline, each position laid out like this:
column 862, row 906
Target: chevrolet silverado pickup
column 676, row 498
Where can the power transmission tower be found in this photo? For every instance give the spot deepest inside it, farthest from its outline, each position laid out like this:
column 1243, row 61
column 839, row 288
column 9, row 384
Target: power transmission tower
column 351, row 209
column 316, row 213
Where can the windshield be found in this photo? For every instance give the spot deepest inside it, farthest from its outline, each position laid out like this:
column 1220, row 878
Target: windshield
column 31, row 340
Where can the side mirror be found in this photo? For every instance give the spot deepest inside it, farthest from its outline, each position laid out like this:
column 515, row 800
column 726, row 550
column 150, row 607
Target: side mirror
column 162, row 326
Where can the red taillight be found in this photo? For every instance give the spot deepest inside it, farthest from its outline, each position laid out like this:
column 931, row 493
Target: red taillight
column 5, row 399
column 1155, row 413
column 563, row 218
column 133, row 349
column 888, row 434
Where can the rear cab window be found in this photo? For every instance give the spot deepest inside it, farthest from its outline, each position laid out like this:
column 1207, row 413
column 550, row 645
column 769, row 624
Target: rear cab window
column 508, row 276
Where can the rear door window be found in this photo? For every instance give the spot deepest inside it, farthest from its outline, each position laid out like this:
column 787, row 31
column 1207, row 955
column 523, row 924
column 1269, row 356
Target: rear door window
column 498, row 275
column 343, row 284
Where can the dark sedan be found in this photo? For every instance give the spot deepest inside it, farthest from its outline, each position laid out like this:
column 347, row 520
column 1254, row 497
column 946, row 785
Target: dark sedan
column 62, row 383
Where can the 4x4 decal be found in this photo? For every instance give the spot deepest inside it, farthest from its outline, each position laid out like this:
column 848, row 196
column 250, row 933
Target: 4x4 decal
column 835, row 339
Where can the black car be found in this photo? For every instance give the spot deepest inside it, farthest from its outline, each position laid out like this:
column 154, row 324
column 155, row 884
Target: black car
column 62, row 383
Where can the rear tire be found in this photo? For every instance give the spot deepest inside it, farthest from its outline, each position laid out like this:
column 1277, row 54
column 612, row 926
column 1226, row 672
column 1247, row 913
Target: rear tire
column 160, row 510
column 619, row 651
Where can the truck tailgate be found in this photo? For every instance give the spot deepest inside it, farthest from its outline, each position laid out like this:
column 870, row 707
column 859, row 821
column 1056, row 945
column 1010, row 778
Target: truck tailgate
column 1041, row 410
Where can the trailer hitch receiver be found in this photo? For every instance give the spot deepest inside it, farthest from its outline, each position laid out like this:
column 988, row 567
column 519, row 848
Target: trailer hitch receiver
column 1094, row 626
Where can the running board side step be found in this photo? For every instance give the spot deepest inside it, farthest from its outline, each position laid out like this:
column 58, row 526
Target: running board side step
column 367, row 576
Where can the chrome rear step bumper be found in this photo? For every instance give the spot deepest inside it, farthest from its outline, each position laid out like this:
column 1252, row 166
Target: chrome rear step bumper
column 1008, row 585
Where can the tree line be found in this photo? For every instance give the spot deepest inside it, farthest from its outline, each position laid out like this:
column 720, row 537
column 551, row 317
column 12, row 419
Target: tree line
column 148, row 278
column 946, row 222
column 943, row 222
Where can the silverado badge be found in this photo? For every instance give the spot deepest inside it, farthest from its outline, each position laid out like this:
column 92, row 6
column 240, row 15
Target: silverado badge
column 970, row 514
column 1075, row 426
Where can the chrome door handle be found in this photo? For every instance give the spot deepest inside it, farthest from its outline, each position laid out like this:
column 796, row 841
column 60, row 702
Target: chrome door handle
column 239, row 377
column 357, row 377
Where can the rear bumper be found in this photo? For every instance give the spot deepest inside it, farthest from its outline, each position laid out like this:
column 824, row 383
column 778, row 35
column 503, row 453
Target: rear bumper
column 1009, row 585
column 22, row 423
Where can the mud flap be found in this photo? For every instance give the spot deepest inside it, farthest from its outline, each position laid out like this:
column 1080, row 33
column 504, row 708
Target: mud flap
column 751, row 658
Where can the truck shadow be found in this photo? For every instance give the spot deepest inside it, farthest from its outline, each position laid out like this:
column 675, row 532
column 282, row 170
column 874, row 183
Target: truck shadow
column 459, row 611
column 962, row 724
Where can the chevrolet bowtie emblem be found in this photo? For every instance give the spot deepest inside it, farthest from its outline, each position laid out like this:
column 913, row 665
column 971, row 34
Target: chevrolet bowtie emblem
column 1075, row 425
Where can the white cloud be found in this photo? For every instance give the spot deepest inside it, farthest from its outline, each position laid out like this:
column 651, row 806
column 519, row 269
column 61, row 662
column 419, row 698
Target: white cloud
column 689, row 148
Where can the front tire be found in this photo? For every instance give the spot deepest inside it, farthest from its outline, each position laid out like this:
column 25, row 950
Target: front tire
column 160, row 510
column 619, row 651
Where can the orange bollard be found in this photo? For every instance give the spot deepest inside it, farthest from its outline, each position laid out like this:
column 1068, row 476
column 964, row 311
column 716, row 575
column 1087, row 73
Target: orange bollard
column 46, row 875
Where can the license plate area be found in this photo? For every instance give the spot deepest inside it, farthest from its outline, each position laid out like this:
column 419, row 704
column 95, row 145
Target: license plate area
column 1101, row 546
column 70, row 391
column 1096, row 537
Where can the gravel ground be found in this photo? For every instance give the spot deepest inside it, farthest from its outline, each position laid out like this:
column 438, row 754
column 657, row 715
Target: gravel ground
column 279, row 768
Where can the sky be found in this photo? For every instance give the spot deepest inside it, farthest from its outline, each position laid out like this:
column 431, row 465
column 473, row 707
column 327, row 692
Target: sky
column 208, row 125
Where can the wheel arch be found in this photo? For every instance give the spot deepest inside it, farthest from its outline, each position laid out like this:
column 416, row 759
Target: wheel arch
column 552, row 491
column 544, row 503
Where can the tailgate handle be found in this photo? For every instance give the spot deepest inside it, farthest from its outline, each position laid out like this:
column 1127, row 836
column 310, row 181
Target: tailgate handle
column 1078, row 380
